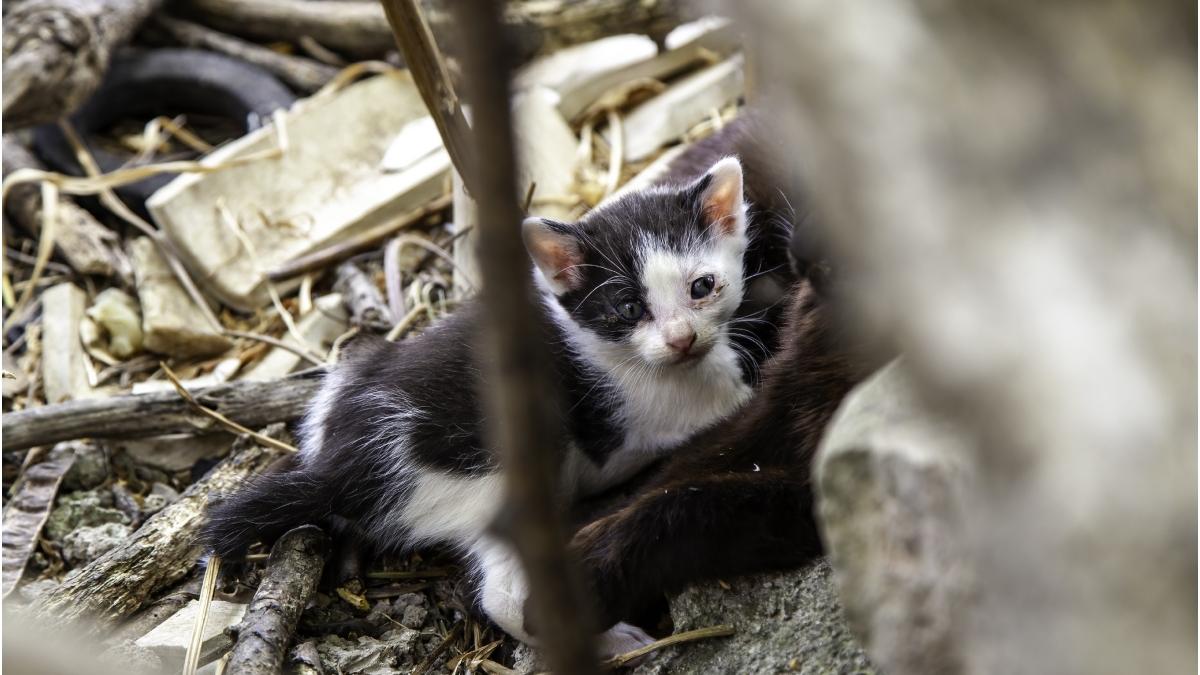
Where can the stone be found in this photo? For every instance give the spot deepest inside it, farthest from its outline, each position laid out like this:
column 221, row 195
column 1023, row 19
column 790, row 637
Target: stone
column 175, row 452
column 119, row 318
column 82, row 509
column 85, row 544
column 160, row 497
column 169, row 639
column 233, row 226
column 36, row 589
column 90, row 467
column 413, row 616
column 171, row 322
column 891, row 480
column 785, row 622
column 391, row 653
column 64, row 373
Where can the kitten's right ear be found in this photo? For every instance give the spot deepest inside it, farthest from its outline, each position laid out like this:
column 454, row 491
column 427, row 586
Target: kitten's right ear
column 555, row 252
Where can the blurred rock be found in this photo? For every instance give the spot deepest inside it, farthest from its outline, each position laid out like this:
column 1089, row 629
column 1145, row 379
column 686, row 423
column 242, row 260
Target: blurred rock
column 119, row 318
column 159, row 498
column 785, row 622
column 890, row 482
column 413, row 616
column 85, row 544
column 169, row 639
column 132, row 659
column 35, row 589
column 82, row 509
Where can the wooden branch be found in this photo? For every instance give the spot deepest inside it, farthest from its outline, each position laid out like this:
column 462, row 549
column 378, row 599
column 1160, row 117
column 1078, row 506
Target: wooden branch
column 293, row 571
column 360, row 242
column 429, row 72
column 361, row 29
column 301, row 73
column 253, row 404
column 26, row 513
column 523, row 404
column 88, row 246
column 57, row 51
column 161, row 552
column 362, row 297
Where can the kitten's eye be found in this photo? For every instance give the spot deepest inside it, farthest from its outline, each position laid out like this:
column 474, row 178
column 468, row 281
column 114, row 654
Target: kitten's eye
column 630, row 310
column 702, row 287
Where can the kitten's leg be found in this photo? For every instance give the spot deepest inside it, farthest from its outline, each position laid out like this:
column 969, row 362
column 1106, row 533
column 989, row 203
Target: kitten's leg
column 504, row 590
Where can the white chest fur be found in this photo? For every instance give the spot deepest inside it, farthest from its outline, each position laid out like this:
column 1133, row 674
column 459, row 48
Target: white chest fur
column 658, row 413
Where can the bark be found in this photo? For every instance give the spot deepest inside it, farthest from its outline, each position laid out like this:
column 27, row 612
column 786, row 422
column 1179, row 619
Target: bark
column 361, row 29
column 522, row 401
column 88, row 246
column 253, row 404
column 300, row 73
column 160, row 553
column 26, row 513
column 290, row 581
column 57, row 51
column 362, row 297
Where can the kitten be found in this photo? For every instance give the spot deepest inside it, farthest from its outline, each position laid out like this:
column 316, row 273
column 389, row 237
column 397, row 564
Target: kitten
column 640, row 301
column 738, row 497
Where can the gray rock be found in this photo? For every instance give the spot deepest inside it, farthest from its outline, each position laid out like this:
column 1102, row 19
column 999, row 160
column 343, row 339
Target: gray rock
column 82, row 509
column 891, row 481
column 132, row 659
column 160, row 497
column 90, row 468
column 176, row 452
column 35, row 589
column 785, row 622
column 413, row 616
column 392, row 652
column 85, row 544
column 170, row 639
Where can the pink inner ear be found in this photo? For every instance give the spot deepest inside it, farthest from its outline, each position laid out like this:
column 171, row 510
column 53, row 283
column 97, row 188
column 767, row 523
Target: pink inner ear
column 720, row 206
column 561, row 255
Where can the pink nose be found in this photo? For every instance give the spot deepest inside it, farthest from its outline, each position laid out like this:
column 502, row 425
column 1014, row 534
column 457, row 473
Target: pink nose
column 682, row 343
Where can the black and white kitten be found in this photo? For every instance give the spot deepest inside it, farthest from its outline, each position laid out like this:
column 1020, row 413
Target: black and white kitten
column 641, row 301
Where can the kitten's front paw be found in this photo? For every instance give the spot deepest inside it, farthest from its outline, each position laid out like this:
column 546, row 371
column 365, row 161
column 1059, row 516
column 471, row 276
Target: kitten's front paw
column 622, row 639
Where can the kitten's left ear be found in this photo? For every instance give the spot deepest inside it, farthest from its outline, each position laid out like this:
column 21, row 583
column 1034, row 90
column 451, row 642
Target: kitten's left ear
column 721, row 197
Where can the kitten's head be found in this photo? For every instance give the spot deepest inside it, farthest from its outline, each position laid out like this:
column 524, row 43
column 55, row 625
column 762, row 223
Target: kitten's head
column 653, row 276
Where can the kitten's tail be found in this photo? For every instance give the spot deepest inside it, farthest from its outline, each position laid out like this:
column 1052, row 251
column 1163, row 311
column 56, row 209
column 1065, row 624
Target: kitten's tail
column 263, row 510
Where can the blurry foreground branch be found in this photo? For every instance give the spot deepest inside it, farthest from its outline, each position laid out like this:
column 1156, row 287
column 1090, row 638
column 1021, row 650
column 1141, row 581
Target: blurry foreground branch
column 522, row 404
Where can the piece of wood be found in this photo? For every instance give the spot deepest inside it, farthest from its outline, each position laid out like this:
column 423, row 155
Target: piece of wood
column 428, row 68
column 88, row 246
column 358, row 243
column 360, row 29
column 290, row 581
column 170, row 638
column 466, row 235
column 26, row 513
column 57, row 51
column 169, row 324
column 161, row 552
column 522, row 401
column 363, row 298
column 253, row 404
column 301, row 73
column 64, row 374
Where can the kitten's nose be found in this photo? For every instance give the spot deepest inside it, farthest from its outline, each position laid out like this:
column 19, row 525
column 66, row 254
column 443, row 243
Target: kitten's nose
column 683, row 342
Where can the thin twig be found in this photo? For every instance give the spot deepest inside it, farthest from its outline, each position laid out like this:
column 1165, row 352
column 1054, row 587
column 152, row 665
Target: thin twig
column 45, row 247
column 221, row 419
column 192, row 658
column 275, row 342
column 722, row 630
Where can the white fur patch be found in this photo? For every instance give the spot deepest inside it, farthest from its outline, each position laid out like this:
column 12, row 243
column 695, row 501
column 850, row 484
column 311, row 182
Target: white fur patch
column 502, row 586
column 443, row 507
column 312, row 427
